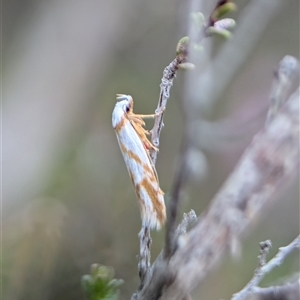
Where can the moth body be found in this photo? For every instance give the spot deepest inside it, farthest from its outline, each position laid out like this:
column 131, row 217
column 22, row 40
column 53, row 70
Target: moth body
column 134, row 146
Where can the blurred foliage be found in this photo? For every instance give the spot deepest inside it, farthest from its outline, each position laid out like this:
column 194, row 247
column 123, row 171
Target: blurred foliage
column 100, row 284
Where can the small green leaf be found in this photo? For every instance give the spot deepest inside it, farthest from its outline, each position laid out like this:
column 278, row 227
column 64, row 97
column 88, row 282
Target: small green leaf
column 218, row 31
column 226, row 23
column 222, row 10
column 87, row 283
column 101, row 285
column 182, row 45
column 186, row 66
column 198, row 47
column 115, row 283
column 198, row 20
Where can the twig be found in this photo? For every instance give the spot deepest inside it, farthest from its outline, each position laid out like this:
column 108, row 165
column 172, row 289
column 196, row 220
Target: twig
column 264, row 269
column 287, row 70
column 187, row 219
column 264, row 250
column 172, row 235
column 165, row 87
column 145, row 255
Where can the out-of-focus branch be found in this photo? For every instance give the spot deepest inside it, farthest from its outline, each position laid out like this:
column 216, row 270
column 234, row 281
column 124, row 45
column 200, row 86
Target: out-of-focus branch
column 263, row 268
column 282, row 84
column 269, row 161
column 178, row 184
column 289, row 291
column 187, row 220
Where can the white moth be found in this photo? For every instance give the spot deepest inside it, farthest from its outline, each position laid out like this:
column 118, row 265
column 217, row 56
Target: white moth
column 135, row 146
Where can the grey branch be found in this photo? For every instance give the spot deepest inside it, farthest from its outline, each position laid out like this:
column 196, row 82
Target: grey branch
column 262, row 270
column 164, row 95
column 145, row 254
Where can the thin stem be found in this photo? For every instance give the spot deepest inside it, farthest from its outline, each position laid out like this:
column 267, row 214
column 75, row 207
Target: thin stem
column 164, row 95
column 262, row 271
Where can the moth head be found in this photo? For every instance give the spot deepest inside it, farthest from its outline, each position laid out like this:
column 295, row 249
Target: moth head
column 125, row 102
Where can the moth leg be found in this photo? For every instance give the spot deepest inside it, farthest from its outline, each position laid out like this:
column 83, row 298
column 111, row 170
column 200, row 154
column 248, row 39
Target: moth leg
column 151, row 115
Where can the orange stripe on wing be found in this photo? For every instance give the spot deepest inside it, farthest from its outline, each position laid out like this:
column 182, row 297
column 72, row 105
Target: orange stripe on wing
column 151, row 173
column 131, row 154
column 120, row 125
column 141, row 202
column 157, row 205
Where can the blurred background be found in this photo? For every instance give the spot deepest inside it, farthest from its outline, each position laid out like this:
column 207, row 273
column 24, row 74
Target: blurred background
column 67, row 198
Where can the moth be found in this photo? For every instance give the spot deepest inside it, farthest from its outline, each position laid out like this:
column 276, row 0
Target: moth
column 135, row 146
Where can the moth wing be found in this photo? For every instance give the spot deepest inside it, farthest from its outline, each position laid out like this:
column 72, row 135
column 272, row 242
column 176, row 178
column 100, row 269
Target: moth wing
column 143, row 176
